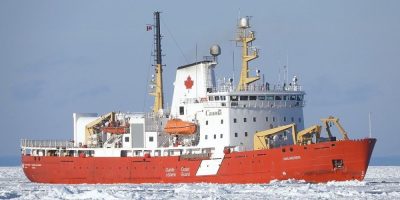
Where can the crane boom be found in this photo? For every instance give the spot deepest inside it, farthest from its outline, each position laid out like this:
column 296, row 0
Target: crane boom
column 304, row 137
column 261, row 137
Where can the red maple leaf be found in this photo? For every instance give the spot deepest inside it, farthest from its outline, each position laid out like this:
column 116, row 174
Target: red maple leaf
column 189, row 83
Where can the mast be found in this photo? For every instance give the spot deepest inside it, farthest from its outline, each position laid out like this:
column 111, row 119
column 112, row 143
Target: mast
column 248, row 53
column 158, row 83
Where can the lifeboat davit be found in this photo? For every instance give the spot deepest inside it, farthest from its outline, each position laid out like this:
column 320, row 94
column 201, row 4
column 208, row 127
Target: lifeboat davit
column 116, row 130
column 179, row 127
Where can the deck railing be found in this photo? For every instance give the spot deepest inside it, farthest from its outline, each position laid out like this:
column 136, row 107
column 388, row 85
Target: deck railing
column 47, row 143
column 257, row 88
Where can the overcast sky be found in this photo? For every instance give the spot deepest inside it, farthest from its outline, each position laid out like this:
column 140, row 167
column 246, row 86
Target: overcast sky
column 60, row 57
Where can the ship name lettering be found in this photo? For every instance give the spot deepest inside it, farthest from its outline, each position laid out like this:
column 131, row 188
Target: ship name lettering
column 170, row 174
column 292, row 158
column 213, row 113
column 32, row 165
column 167, row 170
column 185, row 169
column 185, row 173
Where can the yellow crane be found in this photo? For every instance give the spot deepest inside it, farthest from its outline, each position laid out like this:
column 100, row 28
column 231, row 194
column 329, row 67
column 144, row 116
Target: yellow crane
column 334, row 120
column 261, row 139
column 304, row 137
column 91, row 127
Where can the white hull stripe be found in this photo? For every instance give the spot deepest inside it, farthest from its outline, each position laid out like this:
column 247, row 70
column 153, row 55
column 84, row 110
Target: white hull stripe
column 209, row 167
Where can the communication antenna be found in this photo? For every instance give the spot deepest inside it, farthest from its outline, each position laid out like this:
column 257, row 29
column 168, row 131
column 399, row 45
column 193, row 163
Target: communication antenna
column 233, row 64
column 370, row 126
column 196, row 53
column 285, row 80
column 287, row 68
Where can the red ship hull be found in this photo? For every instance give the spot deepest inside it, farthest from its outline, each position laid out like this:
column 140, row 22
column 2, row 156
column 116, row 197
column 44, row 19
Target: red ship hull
column 312, row 163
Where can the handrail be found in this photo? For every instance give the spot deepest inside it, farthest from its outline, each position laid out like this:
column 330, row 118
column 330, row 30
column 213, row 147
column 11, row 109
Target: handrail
column 258, row 88
column 47, row 143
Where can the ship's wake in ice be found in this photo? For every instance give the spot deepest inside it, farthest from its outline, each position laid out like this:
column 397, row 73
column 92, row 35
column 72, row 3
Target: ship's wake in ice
column 379, row 183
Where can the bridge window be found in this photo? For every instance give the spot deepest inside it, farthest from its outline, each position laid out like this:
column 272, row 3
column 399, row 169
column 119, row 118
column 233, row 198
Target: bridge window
column 299, row 97
column 234, row 98
column 278, row 98
column 261, row 97
column 252, row 98
column 244, row 98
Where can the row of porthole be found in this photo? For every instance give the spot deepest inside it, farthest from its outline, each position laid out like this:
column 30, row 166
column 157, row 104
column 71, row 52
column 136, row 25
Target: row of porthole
column 284, row 150
column 266, row 119
column 259, row 161
column 255, row 119
column 291, row 149
column 222, row 135
column 110, row 168
column 215, row 136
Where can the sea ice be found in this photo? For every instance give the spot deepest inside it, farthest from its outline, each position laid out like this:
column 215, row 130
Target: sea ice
column 380, row 183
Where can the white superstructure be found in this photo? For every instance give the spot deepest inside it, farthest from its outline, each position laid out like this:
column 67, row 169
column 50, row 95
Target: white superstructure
column 225, row 115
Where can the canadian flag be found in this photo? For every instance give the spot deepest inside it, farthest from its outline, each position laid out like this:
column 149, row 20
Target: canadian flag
column 149, row 27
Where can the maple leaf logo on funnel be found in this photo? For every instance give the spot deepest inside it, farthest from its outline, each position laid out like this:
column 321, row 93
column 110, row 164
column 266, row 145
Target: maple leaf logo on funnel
column 189, row 83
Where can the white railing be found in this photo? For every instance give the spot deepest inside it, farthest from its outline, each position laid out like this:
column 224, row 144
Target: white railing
column 47, row 143
column 255, row 104
column 258, row 88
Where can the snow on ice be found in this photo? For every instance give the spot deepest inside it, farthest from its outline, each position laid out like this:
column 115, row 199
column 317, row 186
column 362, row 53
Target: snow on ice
column 380, row 183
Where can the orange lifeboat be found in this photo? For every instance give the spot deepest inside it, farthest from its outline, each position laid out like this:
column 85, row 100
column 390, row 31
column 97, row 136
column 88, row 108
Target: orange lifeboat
column 179, row 127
